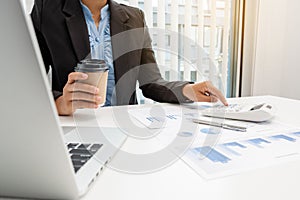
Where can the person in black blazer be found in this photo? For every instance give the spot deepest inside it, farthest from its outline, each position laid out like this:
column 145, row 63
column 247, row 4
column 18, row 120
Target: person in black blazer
column 62, row 34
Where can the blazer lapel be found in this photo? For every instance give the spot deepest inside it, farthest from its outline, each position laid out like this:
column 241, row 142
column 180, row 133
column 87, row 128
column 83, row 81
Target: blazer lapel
column 118, row 24
column 118, row 18
column 77, row 28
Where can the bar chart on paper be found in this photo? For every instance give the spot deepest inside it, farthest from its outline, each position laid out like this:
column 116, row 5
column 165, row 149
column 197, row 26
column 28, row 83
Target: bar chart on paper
column 230, row 158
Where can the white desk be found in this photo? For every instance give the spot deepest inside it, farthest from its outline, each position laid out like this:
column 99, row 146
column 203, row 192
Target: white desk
column 178, row 181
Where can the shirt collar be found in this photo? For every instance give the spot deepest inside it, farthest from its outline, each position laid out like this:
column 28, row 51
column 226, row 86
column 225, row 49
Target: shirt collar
column 105, row 11
column 87, row 13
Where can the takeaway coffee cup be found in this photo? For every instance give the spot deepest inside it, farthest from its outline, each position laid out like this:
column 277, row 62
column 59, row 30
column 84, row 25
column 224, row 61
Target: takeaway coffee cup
column 97, row 72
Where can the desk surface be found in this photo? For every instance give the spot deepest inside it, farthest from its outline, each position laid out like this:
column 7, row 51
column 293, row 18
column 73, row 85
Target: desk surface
column 179, row 181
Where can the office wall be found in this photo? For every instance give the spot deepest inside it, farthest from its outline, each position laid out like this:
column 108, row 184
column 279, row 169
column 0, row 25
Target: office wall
column 277, row 51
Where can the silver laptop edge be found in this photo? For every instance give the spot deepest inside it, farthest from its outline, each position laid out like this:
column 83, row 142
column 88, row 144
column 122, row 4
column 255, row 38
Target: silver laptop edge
column 35, row 162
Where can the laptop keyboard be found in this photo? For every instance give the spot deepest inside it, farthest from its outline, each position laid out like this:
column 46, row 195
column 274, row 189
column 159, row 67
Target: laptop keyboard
column 81, row 153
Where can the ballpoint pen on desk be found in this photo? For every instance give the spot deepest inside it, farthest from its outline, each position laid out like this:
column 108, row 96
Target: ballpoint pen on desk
column 221, row 125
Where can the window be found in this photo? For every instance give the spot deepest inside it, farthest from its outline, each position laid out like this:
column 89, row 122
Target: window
column 202, row 28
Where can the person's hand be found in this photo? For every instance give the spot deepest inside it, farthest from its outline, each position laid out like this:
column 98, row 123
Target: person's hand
column 203, row 92
column 77, row 95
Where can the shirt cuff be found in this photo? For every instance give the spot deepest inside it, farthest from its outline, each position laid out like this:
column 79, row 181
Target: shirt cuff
column 179, row 93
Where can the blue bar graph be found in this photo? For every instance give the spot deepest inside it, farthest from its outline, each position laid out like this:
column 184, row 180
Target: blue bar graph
column 230, row 152
column 227, row 148
column 191, row 114
column 283, row 137
column 212, row 154
column 235, row 144
column 185, row 134
column 155, row 119
column 172, row 117
column 205, row 106
column 258, row 141
column 210, row 131
column 297, row 134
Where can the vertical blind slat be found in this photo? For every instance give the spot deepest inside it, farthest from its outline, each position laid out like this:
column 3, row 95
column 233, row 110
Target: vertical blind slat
column 161, row 25
column 213, row 73
column 226, row 44
column 174, row 41
column 200, row 42
column 187, row 39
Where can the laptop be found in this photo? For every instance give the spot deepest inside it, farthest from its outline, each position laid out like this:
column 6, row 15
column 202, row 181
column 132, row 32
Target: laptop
column 38, row 160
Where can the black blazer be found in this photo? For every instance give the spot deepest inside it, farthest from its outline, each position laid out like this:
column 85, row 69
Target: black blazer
column 63, row 38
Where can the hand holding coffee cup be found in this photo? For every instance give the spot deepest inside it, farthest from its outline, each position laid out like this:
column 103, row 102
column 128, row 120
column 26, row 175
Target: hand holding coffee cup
column 86, row 88
column 97, row 72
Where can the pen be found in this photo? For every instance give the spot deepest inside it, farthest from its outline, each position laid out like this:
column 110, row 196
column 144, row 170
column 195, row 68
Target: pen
column 221, row 125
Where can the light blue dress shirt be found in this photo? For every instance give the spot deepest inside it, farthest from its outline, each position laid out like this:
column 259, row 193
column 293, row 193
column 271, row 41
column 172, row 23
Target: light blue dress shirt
column 101, row 47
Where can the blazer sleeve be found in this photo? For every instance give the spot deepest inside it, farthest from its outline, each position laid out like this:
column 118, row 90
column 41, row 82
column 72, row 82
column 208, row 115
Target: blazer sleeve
column 151, row 82
column 36, row 16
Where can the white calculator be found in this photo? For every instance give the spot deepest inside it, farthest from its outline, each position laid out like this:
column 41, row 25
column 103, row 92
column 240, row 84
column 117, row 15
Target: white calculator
column 250, row 112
